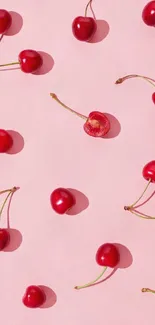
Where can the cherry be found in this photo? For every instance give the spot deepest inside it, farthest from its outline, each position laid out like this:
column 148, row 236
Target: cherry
column 6, row 141
column 34, row 297
column 5, row 21
column 29, row 60
column 96, row 124
column 84, row 28
column 150, row 80
column 4, row 238
column 108, row 256
column 148, row 14
column 148, row 173
column 62, row 200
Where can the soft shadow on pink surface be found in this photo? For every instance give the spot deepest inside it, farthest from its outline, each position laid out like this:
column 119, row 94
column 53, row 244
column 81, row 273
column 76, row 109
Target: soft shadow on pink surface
column 81, row 204
column 18, row 142
column 51, row 297
column 101, row 32
column 115, row 127
column 48, row 64
column 15, row 235
column 16, row 26
column 126, row 260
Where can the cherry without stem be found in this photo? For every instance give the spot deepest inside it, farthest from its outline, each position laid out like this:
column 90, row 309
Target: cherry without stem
column 84, row 27
column 148, row 14
column 34, row 297
column 6, row 141
column 149, row 175
column 5, row 21
column 130, row 76
column 62, row 200
column 4, row 234
column 108, row 256
column 29, row 60
column 96, row 124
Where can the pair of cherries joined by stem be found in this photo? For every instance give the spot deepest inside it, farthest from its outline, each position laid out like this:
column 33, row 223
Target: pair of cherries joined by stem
column 149, row 174
column 149, row 80
column 96, row 124
column 107, row 256
column 4, row 233
column 84, row 27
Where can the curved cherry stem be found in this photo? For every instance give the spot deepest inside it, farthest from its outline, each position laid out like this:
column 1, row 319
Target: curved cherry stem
column 88, row 4
column 143, row 216
column 121, row 80
column 132, row 205
column 148, row 290
column 8, row 64
column 92, row 282
column 11, row 191
column 54, row 96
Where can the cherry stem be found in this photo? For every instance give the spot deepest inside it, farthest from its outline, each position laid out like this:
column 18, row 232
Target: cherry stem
column 148, row 290
column 92, row 282
column 141, row 215
column 132, row 205
column 88, row 4
column 54, row 96
column 7, row 64
column 11, row 191
column 150, row 80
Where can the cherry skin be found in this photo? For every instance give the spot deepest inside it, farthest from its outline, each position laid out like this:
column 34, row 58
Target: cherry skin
column 30, row 61
column 5, row 21
column 34, row 297
column 149, row 171
column 97, row 124
column 153, row 98
column 6, row 141
column 84, row 28
column 62, row 200
column 108, row 255
column 148, row 14
column 4, row 238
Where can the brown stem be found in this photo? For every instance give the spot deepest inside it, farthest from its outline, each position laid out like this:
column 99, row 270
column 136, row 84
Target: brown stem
column 54, row 96
column 148, row 290
column 121, row 80
column 11, row 191
column 130, row 207
column 88, row 4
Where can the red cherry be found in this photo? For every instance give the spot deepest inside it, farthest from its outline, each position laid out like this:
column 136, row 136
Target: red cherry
column 34, row 297
column 30, row 61
column 4, row 238
column 148, row 14
column 149, row 171
column 84, row 28
column 96, row 125
column 153, row 97
column 5, row 21
column 107, row 255
column 6, row 141
column 62, row 200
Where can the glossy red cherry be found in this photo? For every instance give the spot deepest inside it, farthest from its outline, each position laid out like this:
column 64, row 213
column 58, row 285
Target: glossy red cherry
column 5, row 21
column 84, row 28
column 149, row 171
column 6, row 141
column 34, row 297
column 153, row 98
column 4, row 238
column 148, row 14
column 30, row 61
column 62, row 200
column 96, row 124
column 108, row 256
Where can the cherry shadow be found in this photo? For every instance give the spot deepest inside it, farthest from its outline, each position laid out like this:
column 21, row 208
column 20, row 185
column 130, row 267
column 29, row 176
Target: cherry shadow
column 17, row 24
column 18, row 143
column 50, row 295
column 48, row 64
column 81, row 204
column 15, row 240
column 102, row 31
column 115, row 127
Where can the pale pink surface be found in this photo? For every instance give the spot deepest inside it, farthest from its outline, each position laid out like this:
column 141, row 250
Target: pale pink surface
column 59, row 251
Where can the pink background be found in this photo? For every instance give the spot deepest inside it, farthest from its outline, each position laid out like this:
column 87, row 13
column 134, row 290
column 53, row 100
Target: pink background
column 59, row 251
